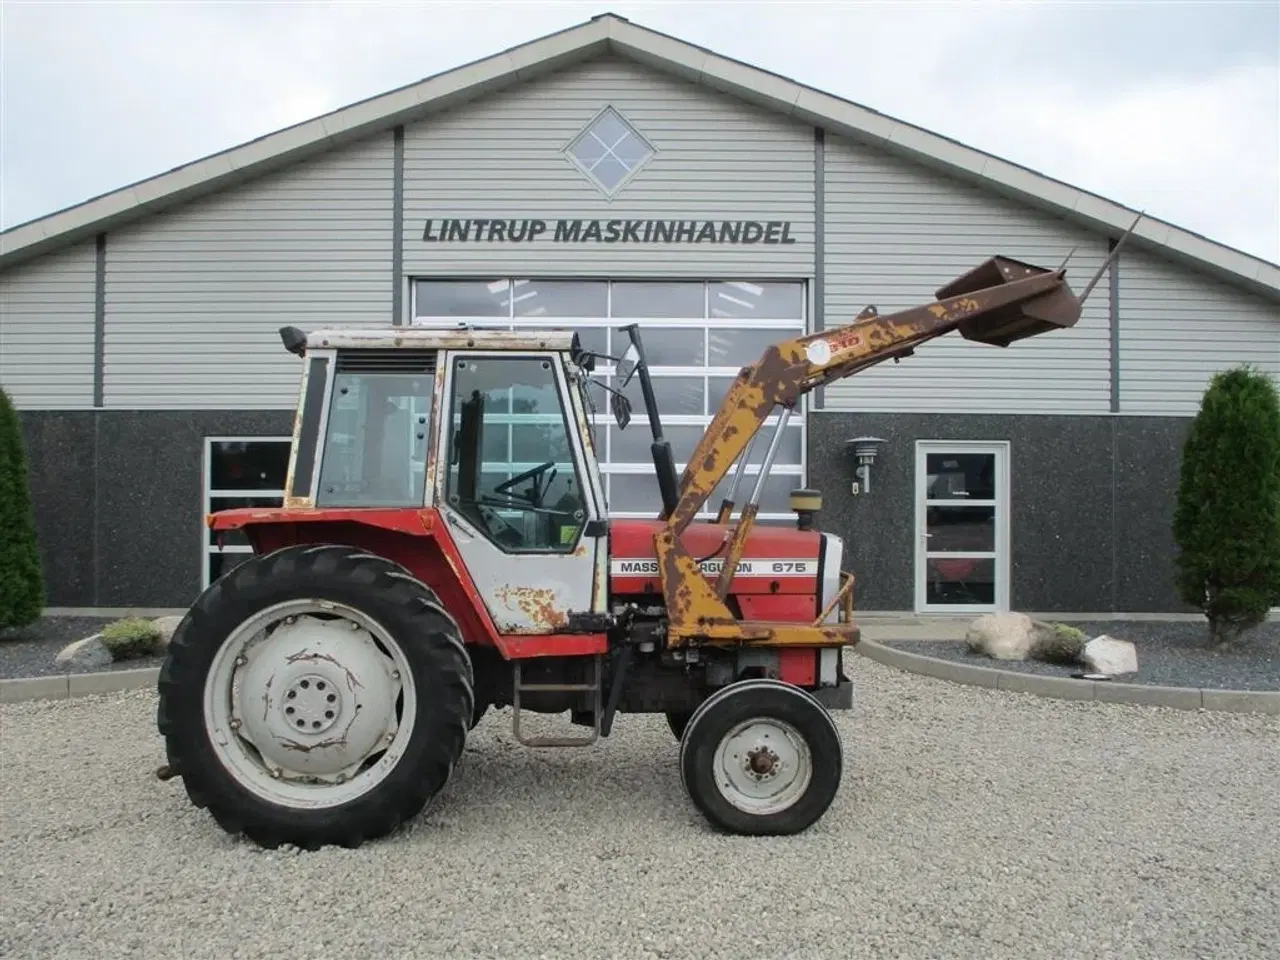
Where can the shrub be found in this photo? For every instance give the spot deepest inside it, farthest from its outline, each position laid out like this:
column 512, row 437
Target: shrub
column 131, row 638
column 1060, row 643
column 1227, row 518
column 21, row 577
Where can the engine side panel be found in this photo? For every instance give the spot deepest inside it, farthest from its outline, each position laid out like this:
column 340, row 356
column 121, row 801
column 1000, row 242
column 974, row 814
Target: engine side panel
column 779, row 577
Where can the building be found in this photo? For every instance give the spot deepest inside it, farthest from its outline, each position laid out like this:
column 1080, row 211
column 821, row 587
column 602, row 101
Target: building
column 598, row 175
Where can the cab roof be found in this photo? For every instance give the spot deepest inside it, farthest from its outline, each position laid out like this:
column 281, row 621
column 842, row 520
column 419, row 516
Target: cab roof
column 430, row 338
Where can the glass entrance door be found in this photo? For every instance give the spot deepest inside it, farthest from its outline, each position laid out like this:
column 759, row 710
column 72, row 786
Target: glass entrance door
column 962, row 527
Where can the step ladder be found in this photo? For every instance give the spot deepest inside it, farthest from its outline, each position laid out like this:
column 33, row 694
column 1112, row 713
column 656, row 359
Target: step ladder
column 597, row 708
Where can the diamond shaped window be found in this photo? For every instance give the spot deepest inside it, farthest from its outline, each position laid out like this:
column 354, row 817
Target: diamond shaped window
column 610, row 151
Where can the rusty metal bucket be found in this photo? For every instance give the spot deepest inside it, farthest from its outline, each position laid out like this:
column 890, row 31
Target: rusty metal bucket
column 1001, row 326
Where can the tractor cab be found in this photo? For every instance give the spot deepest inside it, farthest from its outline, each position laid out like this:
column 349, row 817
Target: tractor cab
column 489, row 430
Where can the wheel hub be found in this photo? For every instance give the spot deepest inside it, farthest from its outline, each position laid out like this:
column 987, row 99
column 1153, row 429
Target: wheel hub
column 763, row 765
column 312, row 704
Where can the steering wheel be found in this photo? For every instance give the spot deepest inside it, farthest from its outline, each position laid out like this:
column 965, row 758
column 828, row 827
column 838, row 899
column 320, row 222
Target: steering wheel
column 539, row 491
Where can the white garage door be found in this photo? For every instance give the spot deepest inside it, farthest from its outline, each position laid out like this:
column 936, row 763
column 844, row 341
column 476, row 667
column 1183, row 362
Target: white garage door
column 696, row 337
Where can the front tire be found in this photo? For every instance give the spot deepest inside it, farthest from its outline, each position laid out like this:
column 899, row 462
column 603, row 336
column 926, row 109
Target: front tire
column 761, row 757
column 355, row 694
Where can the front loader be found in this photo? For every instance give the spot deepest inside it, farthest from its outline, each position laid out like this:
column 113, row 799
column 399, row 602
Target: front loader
column 444, row 547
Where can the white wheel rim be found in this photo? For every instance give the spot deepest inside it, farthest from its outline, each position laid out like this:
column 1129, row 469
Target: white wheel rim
column 300, row 698
column 763, row 766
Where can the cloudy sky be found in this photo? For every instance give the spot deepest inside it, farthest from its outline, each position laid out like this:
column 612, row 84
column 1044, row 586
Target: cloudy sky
column 1169, row 106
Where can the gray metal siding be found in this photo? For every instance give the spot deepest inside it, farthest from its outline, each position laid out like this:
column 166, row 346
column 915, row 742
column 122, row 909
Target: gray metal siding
column 46, row 330
column 1178, row 328
column 194, row 297
column 895, row 232
column 717, row 158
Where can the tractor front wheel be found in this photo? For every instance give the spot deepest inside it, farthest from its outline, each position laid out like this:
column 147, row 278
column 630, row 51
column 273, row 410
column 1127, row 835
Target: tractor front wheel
column 761, row 757
column 315, row 695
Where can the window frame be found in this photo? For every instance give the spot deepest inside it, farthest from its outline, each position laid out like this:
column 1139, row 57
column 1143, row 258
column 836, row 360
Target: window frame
column 568, row 150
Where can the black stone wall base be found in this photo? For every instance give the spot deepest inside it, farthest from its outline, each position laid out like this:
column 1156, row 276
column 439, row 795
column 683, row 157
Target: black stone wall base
column 1090, row 517
column 118, row 499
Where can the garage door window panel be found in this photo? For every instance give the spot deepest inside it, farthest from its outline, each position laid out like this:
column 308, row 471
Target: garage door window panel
column 462, row 298
column 676, row 396
column 576, row 299
column 655, row 300
column 744, row 300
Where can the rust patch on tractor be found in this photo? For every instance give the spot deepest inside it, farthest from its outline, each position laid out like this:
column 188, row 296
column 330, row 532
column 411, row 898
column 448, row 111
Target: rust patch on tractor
column 536, row 603
column 352, row 680
column 308, row 747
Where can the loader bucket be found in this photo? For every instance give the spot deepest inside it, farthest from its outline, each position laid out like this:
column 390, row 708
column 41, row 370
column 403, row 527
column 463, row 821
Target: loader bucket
column 1001, row 326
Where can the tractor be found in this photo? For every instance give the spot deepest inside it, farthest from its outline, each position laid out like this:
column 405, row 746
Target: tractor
column 444, row 547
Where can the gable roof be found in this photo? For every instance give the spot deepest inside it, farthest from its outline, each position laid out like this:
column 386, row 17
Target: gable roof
column 609, row 33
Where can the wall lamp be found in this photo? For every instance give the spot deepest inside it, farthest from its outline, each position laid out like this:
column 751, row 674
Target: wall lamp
column 865, row 449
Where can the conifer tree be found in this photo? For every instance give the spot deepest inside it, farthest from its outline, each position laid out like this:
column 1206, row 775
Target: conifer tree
column 21, row 577
column 1227, row 518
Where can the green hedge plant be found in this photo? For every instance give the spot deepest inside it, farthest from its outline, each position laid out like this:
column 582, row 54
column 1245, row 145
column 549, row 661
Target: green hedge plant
column 1227, row 518
column 1060, row 643
column 131, row 638
column 22, row 593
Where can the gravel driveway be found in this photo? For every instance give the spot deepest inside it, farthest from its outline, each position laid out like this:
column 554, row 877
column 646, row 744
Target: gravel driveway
column 972, row 823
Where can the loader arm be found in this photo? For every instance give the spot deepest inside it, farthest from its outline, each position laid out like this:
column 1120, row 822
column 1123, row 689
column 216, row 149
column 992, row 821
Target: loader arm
column 997, row 303
column 788, row 370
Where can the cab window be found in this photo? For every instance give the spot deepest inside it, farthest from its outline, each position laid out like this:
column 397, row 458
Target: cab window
column 375, row 442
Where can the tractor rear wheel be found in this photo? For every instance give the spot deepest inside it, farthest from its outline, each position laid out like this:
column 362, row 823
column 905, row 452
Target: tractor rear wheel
column 315, row 695
column 761, row 757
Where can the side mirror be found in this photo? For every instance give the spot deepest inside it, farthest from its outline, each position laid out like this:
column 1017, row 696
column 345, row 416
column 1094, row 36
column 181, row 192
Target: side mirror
column 583, row 358
column 629, row 364
column 621, row 407
column 294, row 340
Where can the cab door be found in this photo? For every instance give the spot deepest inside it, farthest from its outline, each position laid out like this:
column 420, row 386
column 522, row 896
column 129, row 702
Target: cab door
column 518, row 490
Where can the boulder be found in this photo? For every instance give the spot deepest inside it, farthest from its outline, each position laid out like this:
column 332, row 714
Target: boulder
column 90, row 654
column 1003, row 636
column 1110, row 656
column 166, row 626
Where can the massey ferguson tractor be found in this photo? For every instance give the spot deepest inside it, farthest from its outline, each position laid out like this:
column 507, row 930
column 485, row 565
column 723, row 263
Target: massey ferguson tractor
column 444, row 546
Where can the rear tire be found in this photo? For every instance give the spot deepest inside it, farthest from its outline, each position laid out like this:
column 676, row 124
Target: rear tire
column 761, row 757
column 352, row 674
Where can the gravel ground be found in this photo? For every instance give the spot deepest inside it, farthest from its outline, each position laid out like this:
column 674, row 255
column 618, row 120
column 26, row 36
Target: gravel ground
column 972, row 823
column 1170, row 654
column 29, row 651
